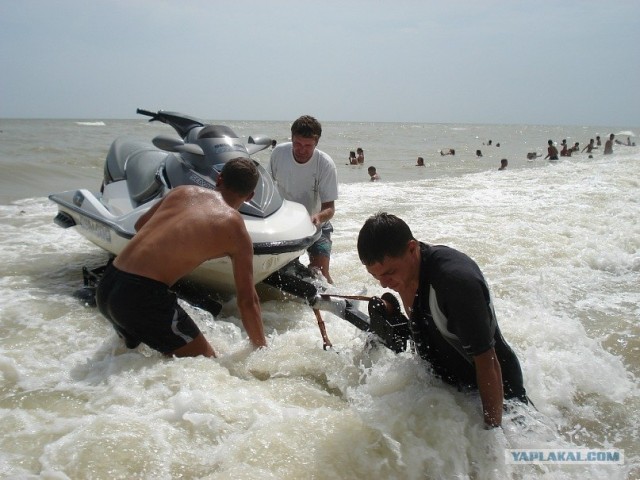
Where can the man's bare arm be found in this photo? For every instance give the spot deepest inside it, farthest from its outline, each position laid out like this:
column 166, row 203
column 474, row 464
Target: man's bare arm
column 489, row 378
column 327, row 210
column 246, row 295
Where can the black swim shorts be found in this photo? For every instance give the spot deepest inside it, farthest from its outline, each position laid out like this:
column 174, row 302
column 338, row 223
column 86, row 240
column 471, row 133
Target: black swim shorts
column 144, row 310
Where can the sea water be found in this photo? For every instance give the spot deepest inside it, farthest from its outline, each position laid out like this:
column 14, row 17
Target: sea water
column 558, row 243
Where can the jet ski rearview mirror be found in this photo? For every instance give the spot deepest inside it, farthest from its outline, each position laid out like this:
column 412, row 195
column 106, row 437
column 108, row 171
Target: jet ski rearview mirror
column 256, row 143
column 259, row 140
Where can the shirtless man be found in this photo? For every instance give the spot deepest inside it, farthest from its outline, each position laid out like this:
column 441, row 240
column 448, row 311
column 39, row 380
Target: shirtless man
column 373, row 174
column 590, row 147
column 187, row 227
column 552, row 151
column 608, row 145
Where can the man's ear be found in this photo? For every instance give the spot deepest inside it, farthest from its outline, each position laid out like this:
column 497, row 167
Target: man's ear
column 250, row 196
column 219, row 180
column 412, row 245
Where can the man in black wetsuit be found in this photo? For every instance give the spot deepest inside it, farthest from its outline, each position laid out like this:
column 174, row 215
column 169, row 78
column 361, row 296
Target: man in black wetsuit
column 451, row 316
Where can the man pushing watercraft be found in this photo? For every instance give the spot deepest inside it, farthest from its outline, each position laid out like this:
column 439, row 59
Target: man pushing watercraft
column 187, row 227
column 451, row 317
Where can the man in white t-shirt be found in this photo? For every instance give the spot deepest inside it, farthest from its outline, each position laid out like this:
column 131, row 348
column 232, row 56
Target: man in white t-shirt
column 308, row 176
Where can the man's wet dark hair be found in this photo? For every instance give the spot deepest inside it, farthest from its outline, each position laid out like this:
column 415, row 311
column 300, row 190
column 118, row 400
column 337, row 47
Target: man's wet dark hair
column 383, row 235
column 240, row 175
column 306, row 126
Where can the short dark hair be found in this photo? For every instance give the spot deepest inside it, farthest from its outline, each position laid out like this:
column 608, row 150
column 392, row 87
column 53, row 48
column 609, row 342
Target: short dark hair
column 240, row 175
column 306, row 126
column 383, row 235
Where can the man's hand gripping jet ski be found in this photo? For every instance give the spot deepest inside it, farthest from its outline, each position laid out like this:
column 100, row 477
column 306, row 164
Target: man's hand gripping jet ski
column 138, row 173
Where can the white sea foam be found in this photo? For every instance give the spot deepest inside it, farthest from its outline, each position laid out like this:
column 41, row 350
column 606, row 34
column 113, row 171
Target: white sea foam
column 91, row 124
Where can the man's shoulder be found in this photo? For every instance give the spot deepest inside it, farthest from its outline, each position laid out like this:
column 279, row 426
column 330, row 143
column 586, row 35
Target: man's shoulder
column 281, row 153
column 190, row 189
column 182, row 191
column 449, row 262
column 325, row 160
column 325, row 156
column 282, row 148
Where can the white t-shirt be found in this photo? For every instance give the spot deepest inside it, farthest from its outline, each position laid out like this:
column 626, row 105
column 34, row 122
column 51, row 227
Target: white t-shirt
column 311, row 183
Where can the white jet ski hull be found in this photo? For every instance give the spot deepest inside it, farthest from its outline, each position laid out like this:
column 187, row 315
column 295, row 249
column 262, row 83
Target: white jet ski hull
column 275, row 237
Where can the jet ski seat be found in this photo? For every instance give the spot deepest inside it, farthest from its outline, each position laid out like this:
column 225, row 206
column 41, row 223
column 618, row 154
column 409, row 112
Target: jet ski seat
column 144, row 175
column 121, row 149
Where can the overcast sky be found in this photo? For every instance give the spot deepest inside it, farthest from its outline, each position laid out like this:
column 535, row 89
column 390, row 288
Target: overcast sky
column 570, row 62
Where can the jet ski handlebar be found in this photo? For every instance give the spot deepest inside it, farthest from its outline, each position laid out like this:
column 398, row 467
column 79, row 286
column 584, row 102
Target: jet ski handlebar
column 181, row 123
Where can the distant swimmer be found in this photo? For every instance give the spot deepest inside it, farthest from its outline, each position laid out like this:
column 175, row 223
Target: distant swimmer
column 420, row 162
column 591, row 146
column 532, row 155
column 352, row 158
column 565, row 151
column 360, row 156
column 373, row 174
column 552, row 151
column 503, row 164
column 608, row 146
column 478, row 153
column 451, row 151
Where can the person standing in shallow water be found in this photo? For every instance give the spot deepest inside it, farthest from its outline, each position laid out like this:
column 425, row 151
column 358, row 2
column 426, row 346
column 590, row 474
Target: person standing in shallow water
column 308, row 176
column 590, row 147
column 198, row 224
column 451, row 315
column 552, row 151
column 608, row 145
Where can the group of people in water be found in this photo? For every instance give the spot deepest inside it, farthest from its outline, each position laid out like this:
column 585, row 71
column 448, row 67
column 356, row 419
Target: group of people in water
column 566, row 151
column 356, row 157
column 552, row 150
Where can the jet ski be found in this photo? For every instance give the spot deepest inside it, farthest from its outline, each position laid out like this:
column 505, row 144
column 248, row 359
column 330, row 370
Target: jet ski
column 137, row 174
